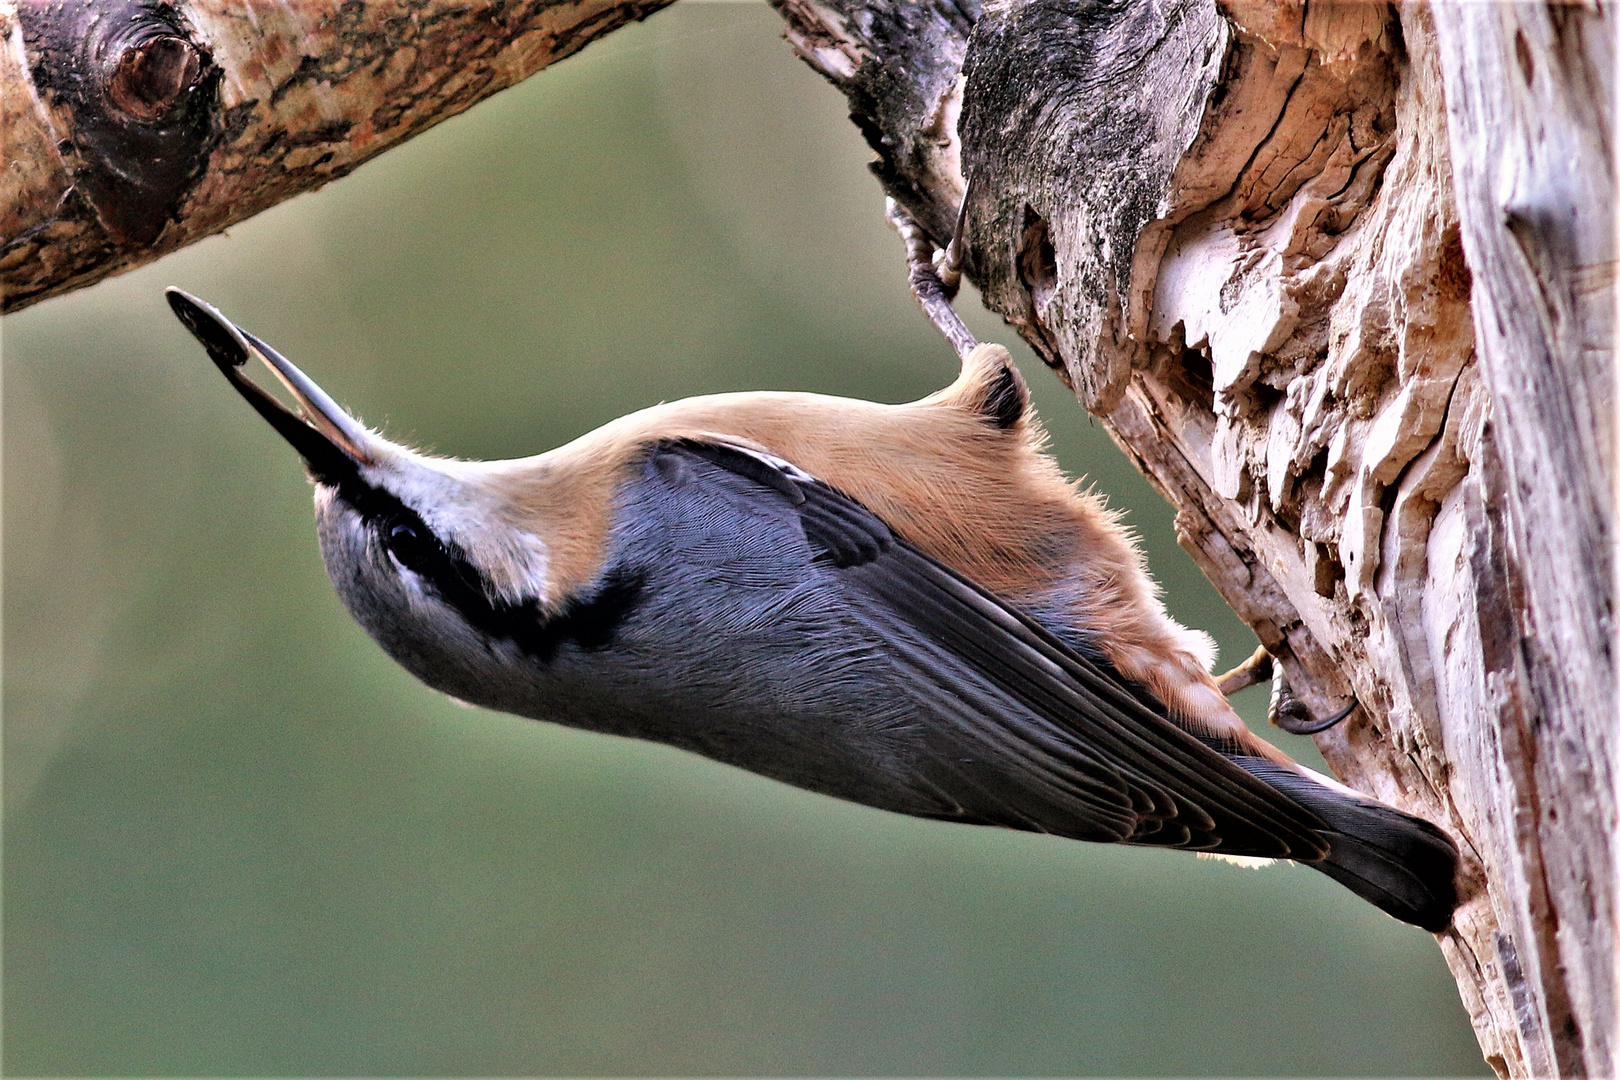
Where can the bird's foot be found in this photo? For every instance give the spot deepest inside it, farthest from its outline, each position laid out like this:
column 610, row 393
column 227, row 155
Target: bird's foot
column 1256, row 669
column 1285, row 710
column 934, row 282
column 1290, row 714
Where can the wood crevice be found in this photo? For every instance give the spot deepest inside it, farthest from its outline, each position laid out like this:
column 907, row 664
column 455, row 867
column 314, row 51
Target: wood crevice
column 1273, row 305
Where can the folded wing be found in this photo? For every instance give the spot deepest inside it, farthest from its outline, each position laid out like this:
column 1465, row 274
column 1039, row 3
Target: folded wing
column 1024, row 731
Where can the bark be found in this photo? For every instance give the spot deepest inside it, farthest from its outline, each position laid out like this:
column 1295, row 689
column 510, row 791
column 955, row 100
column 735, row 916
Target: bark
column 130, row 128
column 1339, row 279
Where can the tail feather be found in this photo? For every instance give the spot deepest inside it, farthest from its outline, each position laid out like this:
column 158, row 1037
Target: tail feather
column 1399, row 863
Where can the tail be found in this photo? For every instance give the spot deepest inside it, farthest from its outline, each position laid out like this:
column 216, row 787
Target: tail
column 1399, row 863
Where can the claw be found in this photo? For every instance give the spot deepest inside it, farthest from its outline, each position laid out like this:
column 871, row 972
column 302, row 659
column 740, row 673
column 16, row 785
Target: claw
column 949, row 261
column 1290, row 715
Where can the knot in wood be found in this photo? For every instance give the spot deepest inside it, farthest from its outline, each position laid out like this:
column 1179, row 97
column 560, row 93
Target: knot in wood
column 134, row 92
column 149, row 79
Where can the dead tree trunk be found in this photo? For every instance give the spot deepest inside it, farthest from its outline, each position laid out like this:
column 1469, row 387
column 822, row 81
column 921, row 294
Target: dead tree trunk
column 130, row 128
column 1340, row 280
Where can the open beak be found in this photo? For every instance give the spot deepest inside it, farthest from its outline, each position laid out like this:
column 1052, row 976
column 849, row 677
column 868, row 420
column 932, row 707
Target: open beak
column 327, row 437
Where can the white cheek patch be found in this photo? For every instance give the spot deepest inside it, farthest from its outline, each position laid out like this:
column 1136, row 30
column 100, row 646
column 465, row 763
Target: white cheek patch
column 527, row 564
column 408, row 578
column 459, row 510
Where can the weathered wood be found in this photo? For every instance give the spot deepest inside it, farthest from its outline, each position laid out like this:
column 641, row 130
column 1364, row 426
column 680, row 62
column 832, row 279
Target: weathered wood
column 1529, row 93
column 1339, row 279
column 1236, row 231
column 899, row 63
column 130, row 128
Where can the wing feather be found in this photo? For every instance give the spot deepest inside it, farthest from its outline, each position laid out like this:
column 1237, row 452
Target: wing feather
column 1026, row 731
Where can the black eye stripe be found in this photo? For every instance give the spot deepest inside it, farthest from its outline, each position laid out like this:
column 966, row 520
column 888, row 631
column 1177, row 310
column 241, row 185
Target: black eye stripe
column 445, row 569
column 441, row 564
column 414, row 550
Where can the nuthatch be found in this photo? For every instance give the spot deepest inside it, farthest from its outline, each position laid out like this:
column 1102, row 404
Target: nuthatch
column 907, row 606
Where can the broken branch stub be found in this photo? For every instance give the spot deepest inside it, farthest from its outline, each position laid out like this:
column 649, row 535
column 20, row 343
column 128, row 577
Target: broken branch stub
column 1235, row 229
column 1072, row 126
column 130, row 128
column 898, row 62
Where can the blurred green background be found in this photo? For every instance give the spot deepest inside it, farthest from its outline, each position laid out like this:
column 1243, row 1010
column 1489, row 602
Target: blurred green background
column 240, row 840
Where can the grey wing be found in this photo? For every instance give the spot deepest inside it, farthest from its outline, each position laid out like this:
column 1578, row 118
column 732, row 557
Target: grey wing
column 1023, row 731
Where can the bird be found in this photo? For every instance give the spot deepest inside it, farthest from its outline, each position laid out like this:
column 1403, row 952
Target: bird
column 907, row 606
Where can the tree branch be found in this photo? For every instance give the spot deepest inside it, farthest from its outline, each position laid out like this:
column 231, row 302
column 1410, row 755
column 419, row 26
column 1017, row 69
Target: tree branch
column 130, row 128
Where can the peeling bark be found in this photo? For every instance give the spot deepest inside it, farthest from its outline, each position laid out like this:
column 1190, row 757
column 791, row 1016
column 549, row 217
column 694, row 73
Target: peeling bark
column 1260, row 241
column 130, row 128
column 1338, row 278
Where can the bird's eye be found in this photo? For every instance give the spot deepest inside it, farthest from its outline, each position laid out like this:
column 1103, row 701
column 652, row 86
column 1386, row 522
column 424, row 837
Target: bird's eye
column 408, row 544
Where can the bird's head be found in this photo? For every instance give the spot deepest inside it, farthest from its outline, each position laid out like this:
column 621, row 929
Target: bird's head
column 429, row 554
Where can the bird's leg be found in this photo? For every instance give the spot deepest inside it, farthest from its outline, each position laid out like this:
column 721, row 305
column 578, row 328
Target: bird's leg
column 932, row 285
column 1285, row 710
column 1256, row 669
